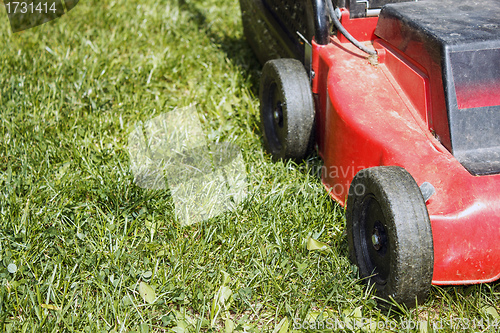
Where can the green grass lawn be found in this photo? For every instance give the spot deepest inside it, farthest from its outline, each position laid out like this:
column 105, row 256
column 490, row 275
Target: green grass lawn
column 77, row 236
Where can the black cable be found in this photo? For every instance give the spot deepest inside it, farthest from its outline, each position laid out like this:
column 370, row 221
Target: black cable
column 344, row 32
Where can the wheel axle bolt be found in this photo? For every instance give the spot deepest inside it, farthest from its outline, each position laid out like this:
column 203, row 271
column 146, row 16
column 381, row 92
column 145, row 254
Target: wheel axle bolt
column 276, row 115
column 376, row 240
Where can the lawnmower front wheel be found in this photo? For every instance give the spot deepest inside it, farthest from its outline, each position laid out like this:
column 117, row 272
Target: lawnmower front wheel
column 389, row 234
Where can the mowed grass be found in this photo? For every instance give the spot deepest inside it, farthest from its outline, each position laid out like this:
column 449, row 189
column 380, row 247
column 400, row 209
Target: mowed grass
column 83, row 236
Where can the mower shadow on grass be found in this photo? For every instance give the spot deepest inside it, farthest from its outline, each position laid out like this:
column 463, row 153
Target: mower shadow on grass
column 236, row 49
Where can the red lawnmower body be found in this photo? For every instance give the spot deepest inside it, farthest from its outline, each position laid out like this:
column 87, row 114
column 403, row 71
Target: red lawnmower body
column 394, row 128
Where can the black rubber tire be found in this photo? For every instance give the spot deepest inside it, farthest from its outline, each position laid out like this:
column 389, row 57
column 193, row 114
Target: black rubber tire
column 389, row 234
column 286, row 109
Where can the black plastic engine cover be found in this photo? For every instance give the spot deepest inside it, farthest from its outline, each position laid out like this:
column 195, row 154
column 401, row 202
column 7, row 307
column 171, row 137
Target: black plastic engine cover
column 458, row 44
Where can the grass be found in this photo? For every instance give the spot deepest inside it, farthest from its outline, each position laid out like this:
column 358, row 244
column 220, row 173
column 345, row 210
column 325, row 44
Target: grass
column 83, row 236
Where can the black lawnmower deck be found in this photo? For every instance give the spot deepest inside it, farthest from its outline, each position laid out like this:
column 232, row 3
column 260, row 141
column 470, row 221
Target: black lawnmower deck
column 277, row 28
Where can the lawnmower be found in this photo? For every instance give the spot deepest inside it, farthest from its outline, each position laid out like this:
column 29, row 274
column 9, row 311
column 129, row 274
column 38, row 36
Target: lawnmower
column 401, row 100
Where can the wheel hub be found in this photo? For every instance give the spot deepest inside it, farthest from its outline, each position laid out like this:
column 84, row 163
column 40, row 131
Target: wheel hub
column 278, row 115
column 376, row 240
column 378, row 236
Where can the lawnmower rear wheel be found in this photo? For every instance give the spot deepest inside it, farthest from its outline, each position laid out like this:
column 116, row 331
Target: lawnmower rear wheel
column 389, row 234
column 286, row 109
